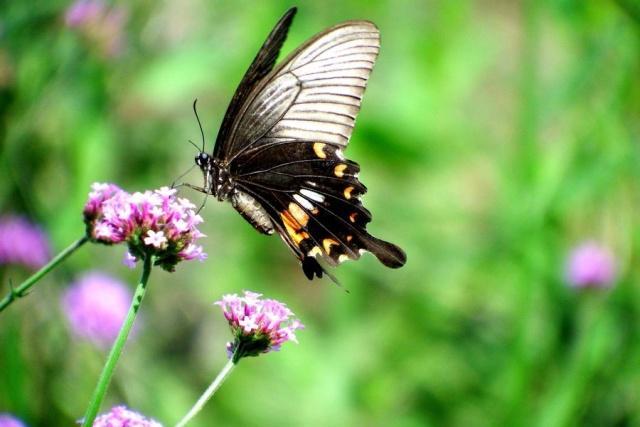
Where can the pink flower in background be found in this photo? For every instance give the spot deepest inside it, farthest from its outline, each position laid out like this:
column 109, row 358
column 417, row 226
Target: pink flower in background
column 102, row 26
column 22, row 242
column 8, row 420
column 96, row 305
column 258, row 325
column 84, row 12
column 153, row 223
column 591, row 265
column 120, row 416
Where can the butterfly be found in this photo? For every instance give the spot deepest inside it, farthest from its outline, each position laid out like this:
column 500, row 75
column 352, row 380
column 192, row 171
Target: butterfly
column 278, row 155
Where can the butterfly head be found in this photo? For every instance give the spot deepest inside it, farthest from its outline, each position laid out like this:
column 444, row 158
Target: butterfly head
column 205, row 163
column 203, row 160
column 217, row 179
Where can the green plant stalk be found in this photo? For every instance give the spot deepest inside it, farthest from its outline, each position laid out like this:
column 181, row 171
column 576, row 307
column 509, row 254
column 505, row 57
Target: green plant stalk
column 524, row 188
column 21, row 290
column 118, row 346
column 213, row 387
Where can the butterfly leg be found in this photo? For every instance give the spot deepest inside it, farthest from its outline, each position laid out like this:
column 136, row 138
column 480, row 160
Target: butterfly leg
column 193, row 187
column 204, row 202
column 173, row 184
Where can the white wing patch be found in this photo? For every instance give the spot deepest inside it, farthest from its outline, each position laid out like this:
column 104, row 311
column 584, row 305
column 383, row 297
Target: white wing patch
column 312, row 195
column 304, row 202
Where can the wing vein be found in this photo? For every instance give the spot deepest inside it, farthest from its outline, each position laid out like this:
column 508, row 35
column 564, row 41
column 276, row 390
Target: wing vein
column 293, row 162
column 300, row 119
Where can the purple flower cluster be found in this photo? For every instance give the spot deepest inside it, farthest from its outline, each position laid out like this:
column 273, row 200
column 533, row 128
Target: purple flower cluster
column 96, row 305
column 8, row 420
column 22, row 243
column 102, row 26
column 591, row 265
column 153, row 223
column 258, row 325
column 120, row 416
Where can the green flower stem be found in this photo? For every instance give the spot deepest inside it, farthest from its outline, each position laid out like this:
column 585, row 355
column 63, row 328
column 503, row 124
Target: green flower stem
column 22, row 289
column 215, row 385
column 118, row 346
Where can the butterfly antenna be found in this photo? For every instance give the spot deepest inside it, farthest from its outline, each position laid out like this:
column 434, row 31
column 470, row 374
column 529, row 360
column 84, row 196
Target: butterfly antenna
column 195, row 110
column 192, row 143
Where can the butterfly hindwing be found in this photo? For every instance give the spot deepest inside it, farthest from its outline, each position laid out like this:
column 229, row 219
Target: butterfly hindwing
column 314, row 195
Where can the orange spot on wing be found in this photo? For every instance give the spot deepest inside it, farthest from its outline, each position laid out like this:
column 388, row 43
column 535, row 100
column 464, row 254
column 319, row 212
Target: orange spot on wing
column 353, row 216
column 327, row 243
column 318, row 148
column 339, row 170
column 347, row 192
column 294, row 229
column 299, row 214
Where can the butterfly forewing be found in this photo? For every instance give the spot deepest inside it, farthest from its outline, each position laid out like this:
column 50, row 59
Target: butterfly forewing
column 261, row 66
column 314, row 94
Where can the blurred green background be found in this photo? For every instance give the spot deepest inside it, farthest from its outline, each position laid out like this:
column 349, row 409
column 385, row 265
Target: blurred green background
column 494, row 136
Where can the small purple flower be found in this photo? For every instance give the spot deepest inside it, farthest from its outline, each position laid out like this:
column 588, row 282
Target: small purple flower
column 156, row 239
column 193, row 252
column 8, row 420
column 258, row 325
column 22, row 242
column 129, row 260
column 120, row 416
column 96, row 305
column 153, row 223
column 591, row 265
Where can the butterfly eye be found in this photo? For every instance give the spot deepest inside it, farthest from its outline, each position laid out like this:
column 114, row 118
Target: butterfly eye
column 202, row 159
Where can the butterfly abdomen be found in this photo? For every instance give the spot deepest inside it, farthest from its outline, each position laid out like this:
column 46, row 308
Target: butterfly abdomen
column 252, row 211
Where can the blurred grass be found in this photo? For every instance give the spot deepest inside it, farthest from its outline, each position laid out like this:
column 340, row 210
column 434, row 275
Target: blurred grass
column 494, row 136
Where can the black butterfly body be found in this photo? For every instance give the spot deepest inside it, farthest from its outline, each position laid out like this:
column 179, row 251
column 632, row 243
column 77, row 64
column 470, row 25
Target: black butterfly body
column 278, row 155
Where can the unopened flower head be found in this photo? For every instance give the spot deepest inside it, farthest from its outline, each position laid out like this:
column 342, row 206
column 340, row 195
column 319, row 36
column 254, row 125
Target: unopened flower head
column 591, row 265
column 153, row 223
column 96, row 305
column 258, row 325
column 120, row 416
column 22, row 242
column 8, row 420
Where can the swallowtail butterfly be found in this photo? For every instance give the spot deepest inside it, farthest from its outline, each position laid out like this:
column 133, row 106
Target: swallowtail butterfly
column 278, row 155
